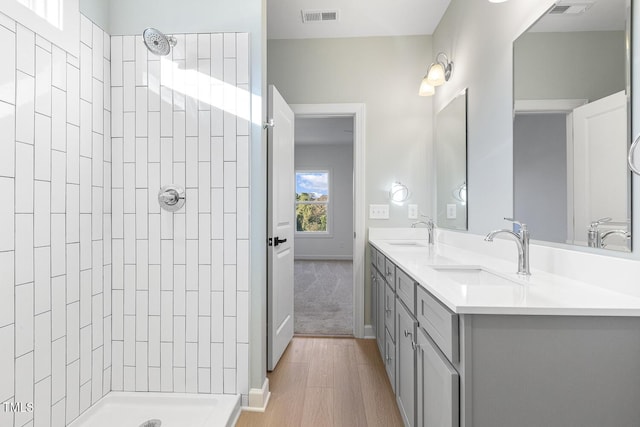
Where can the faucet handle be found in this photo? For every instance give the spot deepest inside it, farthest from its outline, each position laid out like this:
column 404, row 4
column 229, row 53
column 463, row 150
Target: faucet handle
column 523, row 226
column 597, row 222
column 430, row 222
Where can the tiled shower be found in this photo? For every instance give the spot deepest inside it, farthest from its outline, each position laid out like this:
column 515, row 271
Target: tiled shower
column 100, row 289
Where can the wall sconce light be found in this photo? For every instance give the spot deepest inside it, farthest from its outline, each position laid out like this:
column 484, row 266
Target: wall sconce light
column 399, row 193
column 460, row 193
column 426, row 89
column 438, row 73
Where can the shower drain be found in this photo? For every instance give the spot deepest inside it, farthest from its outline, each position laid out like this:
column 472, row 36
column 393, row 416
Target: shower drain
column 151, row 423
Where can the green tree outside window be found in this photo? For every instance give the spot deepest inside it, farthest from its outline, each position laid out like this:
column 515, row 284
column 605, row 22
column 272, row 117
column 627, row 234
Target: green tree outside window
column 312, row 201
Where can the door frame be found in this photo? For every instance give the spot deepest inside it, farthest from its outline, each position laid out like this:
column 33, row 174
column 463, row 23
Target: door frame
column 357, row 111
column 557, row 106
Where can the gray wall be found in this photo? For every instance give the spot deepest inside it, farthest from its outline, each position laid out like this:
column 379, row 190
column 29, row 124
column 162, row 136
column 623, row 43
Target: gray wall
column 540, row 157
column 479, row 36
column 339, row 160
column 581, row 65
column 384, row 73
column 98, row 12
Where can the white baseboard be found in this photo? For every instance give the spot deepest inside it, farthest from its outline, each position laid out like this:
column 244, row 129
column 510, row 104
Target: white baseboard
column 369, row 332
column 258, row 398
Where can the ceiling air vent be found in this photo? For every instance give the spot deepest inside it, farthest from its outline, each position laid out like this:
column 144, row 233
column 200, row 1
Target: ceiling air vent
column 319, row 15
column 570, row 8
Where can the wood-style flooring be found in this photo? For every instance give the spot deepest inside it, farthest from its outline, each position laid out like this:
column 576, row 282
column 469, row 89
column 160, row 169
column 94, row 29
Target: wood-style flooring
column 328, row 382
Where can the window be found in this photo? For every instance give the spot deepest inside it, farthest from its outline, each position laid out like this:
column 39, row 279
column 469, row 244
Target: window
column 312, row 202
column 58, row 21
column 49, row 10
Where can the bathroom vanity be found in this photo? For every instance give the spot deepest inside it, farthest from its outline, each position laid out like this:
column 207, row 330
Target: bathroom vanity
column 467, row 342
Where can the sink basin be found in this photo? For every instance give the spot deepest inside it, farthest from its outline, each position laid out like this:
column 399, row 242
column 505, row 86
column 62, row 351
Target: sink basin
column 408, row 243
column 474, row 276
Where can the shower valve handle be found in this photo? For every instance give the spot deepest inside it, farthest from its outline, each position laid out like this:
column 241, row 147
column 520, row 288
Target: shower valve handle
column 170, row 197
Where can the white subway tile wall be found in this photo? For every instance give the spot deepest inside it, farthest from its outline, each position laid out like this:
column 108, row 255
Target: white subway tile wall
column 55, row 238
column 180, row 302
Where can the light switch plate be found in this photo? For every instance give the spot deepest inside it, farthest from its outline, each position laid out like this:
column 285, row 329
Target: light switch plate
column 413, row 211
column 451, row 211
column 378, row 211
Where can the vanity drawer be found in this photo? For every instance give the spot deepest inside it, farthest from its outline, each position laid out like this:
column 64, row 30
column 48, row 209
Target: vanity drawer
column 373, row 253
column 390, row 312
column 380, row 261
column 406, row 290
column 439, row 322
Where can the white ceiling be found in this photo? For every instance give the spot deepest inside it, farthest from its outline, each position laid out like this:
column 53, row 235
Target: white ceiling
column 356, row 18
column 324, row 130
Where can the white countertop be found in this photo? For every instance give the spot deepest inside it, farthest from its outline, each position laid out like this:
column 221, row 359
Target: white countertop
column 541, row 293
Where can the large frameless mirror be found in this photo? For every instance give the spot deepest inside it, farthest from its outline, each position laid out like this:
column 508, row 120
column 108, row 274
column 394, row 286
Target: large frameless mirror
column 571, row 125
column 451, row 164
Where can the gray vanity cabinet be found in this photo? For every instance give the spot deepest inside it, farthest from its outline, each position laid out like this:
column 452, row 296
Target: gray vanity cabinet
column 492, row 370
column 383, row 318
column 380, row 330
column 406, row 363
column 437, row 386
column 374, row 297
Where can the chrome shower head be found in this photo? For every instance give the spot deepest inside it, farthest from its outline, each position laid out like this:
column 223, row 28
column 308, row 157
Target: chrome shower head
column 157, row 42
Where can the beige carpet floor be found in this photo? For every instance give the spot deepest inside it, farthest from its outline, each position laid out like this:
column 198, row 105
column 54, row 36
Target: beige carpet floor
column 323, row 297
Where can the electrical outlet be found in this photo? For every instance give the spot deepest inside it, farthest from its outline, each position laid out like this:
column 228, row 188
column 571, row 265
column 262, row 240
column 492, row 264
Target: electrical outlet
column 451, row 211
column 413, row 211
column 378, row 211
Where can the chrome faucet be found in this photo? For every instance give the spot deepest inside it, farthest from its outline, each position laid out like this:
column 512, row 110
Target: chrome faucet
column 429, row 224
column 594, row 237
column 522, row 242
column 603, row 236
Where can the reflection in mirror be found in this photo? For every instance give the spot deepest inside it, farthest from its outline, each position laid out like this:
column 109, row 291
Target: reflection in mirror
column 451, row 164
column 571, row 94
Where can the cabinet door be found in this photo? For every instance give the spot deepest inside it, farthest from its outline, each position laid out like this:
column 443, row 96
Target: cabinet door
column 405, row 364
column 390, row 360
column 437, row 393
column 380, row 315
column 374, row 301
column 390, row 312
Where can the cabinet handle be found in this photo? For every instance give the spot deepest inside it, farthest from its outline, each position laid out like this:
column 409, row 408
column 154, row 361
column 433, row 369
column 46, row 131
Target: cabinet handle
column 415, row 346
column 407, row 333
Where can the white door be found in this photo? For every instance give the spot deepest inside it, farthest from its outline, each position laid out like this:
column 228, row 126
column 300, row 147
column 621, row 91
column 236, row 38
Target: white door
column 280, row 227
column 600, row 176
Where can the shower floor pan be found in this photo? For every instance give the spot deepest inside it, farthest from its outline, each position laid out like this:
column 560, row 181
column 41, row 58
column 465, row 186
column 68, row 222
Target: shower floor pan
column 125, row 409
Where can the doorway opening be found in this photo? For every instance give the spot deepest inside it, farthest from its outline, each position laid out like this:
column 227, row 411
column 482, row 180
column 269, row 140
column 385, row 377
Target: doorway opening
column 329, row 262
column 323, row 249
